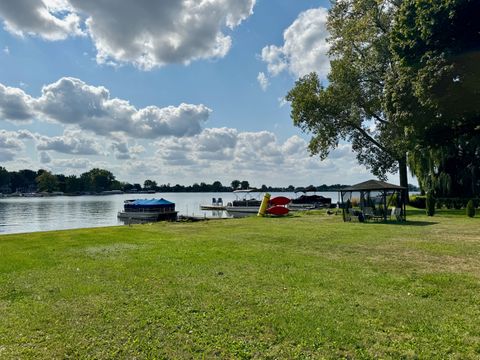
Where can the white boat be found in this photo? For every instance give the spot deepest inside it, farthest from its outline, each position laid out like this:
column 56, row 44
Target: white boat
column 217, row 205
column 245, row 203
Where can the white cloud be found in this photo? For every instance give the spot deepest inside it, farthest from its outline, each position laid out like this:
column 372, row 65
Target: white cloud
column 123, row 151
column 263, row 81
column 282, row 101
column 258, row 150
column 305, row 46
column 25, row 135
column 15, row 105
column 6, row 50
column 215, row 144
column 183, row 120
column 10, row 145
column 260, row 157
column 10, row 140
column 294, row 145
column 214, row 154
column 71, row 164
column 6, row 155
column 70, row 101
column 45, row 157
column 175, row 152
column 145, row 33
column 342, row 151
column 72, row 142
column 51, row 20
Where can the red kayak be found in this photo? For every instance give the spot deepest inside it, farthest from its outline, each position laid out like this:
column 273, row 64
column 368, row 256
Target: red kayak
column 279, row 200
column 277, row 210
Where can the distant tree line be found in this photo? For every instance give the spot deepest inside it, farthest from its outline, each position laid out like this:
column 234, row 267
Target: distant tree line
column 29, row 181
column 100, row 180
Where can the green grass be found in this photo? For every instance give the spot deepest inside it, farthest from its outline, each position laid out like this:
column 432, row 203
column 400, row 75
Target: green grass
column 296, row 287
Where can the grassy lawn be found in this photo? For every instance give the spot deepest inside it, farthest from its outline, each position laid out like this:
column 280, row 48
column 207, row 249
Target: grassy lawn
column 306, row 286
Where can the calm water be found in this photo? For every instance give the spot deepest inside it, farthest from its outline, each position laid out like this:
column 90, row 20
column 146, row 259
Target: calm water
column 18, row 215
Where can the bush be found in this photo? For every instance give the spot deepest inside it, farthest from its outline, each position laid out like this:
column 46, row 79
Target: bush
column 430, row 204
column 470, row 209
column 418, row 201
column 456, row 202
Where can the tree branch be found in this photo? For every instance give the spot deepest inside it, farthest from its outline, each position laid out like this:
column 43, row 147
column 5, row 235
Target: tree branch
column 372, row 113
column 373, row 141
column 375, row 116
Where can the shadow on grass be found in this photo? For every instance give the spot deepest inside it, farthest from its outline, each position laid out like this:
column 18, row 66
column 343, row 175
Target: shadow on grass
column 406, row 223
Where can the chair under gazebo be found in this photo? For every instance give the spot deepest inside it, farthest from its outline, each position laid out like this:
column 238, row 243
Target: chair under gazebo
column 378, row 200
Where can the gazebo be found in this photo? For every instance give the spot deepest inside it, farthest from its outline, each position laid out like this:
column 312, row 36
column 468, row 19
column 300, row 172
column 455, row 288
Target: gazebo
column 376, row 197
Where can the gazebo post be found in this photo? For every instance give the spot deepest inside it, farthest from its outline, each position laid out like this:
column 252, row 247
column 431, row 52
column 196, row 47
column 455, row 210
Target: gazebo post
column 384, row 205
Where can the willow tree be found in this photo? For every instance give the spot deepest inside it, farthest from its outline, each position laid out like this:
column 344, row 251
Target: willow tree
column 351, row 106
column 435, row 94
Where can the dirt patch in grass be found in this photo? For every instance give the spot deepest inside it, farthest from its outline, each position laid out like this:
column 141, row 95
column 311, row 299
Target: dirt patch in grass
column 109, row 250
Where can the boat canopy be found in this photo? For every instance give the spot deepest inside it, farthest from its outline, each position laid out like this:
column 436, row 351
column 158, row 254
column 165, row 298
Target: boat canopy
column 151, row 202
column 309, row 188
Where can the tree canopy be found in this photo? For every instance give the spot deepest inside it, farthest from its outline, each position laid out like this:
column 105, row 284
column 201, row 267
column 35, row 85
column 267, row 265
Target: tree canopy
column 435, row 92
column 47, row 181
column 351, row 106
column 403, row 87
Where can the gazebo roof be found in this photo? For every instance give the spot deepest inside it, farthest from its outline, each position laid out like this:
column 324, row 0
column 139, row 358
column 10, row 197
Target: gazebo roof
column 372, row 185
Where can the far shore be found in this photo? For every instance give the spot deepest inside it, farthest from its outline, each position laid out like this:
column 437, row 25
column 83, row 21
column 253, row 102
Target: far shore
column 120, row 192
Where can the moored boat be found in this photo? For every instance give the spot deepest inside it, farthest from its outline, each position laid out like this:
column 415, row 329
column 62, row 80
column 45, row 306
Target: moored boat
column 245, row 203
column 308, row 202
column 146, row 210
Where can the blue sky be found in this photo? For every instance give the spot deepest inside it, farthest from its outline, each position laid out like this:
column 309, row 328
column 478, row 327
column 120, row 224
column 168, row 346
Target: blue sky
column 170, row 91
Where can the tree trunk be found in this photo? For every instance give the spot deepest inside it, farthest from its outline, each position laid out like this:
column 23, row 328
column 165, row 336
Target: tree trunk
column 402, row 168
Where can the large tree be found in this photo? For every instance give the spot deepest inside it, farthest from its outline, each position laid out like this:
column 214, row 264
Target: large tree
column 435, row 94
column 98, row 180
column 351, row 106
column 235, row 184
column 47, row 181
column 150, row 184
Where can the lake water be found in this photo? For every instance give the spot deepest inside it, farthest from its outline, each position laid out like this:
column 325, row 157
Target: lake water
column 19, row 215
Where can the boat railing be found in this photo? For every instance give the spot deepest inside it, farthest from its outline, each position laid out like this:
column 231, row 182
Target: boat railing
column 157, row 210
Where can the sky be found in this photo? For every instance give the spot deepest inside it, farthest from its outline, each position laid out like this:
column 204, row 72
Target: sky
column 177, row 91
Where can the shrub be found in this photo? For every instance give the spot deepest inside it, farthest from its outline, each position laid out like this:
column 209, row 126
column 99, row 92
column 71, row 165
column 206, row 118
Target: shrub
column 355, row 202
column 430, row 204
column 418, row 201
column 456, row 202
column 470, row 209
